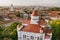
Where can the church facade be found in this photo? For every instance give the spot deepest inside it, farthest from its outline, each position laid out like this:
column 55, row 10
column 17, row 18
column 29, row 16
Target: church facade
column 34, row 28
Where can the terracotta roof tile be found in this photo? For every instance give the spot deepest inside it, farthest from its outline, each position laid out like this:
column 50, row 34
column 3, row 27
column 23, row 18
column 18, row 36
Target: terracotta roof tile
column 49, row 31
column 42, row 22
column 32, row 28
column 45, row 30
column 34, row 13
column 54, row 13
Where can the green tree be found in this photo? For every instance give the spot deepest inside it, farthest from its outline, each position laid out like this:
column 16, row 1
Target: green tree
column 55, row 9
column 9, row 32
column 56, row 29
column 12, row 30
column 1, row 30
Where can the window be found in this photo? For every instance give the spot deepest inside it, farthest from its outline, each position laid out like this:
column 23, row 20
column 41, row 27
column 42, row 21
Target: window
column 37, row 38
column 19, row 37
column 24, row 36
column 32, row 37
column 27, row 38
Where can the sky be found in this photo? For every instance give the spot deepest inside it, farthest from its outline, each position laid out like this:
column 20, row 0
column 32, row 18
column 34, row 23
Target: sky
column 30, row 2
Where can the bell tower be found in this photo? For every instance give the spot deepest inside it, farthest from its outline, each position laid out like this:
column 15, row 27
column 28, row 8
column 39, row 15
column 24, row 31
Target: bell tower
column 11, row 8
column 34, row 17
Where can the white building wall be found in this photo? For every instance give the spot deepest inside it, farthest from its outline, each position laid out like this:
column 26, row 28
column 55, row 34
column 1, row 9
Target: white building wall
column 34, row 19
column 28, row 35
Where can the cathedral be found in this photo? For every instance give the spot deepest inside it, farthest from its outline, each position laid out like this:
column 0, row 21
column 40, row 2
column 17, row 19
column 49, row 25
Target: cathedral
column 35, row 28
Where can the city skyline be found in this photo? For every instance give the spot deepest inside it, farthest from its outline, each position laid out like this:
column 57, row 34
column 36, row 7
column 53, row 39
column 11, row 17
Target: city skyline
column 30, row 2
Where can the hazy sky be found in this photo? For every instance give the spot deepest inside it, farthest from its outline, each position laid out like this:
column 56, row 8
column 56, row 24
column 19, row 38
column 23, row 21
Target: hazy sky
column 30, row 2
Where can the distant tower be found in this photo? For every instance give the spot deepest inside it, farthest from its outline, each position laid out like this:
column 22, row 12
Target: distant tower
column 11, row 8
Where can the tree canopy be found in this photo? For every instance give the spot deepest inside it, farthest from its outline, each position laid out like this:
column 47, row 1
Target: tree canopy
column 9, row 32
column 56, row 29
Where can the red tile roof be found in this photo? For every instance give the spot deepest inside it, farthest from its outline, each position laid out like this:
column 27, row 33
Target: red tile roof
column 34, row 13
column 49, row 31
column 44, row 29
column 32, row 28
column 42, row 22
column 54, row 13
